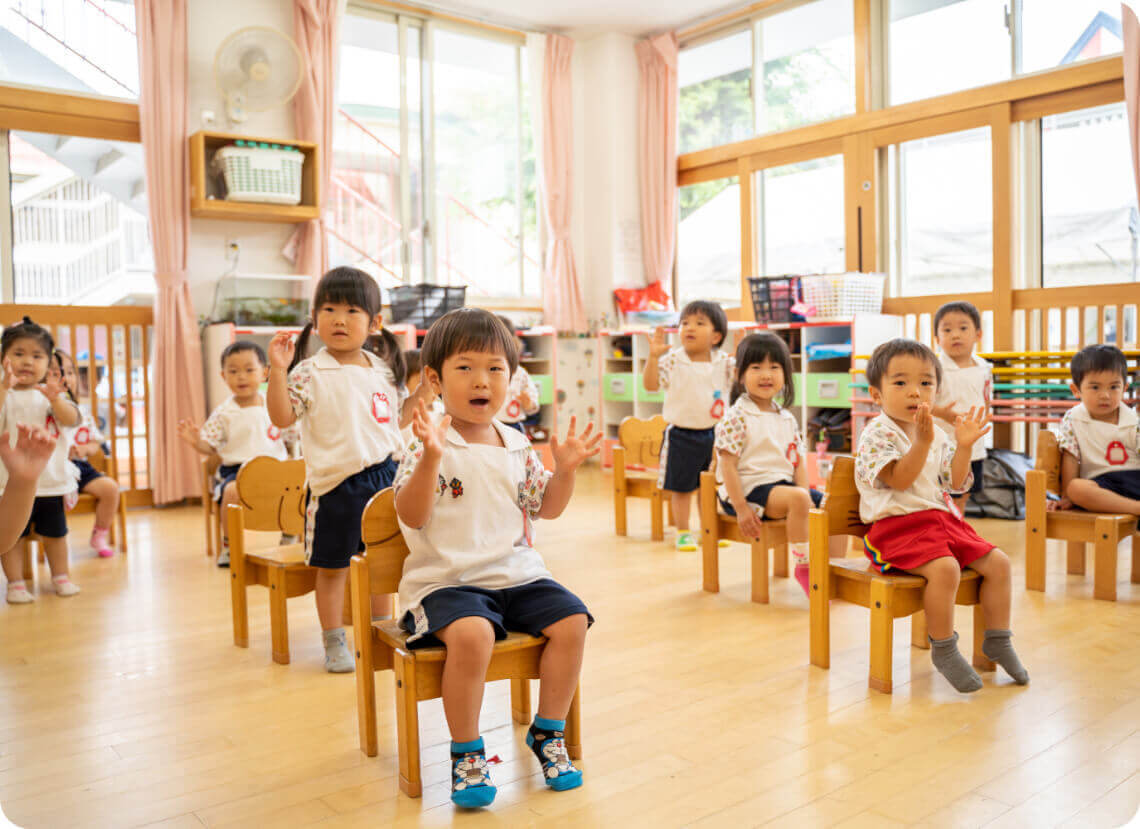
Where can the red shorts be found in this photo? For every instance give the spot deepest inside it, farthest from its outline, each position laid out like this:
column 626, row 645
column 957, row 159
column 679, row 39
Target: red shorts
column 905, row 542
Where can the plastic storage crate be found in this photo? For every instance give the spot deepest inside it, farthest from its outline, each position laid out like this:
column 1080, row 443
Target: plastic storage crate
column 261, row 172
column 423, row 304
column 843, row 295
column 773, row 297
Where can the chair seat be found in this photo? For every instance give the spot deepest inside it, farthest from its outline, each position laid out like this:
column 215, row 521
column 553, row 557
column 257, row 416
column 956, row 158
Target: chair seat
column 1080, row 516
column 289, row 555
column 394, row 636
column 860, row 569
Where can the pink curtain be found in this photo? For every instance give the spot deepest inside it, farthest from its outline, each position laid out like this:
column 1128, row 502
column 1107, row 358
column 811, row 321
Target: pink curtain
column 562, row 295
column 1131, row 31
column 178, row 385
column 316, row 25
column 657, row 137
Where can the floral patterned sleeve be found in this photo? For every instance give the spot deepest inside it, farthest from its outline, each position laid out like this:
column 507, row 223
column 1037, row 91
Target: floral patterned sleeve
column 877, row 448
column 729, row 374
column 665, row 368
column 946, row 473
column 731, row 431
column 533, row 487
column 301, row 388
column 527, row 383
column 411, row 457
column 1067, row 437
column 214, row 429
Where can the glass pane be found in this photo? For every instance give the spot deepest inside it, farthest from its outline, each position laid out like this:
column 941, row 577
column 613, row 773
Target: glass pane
column 708, row 242
column 414, row 149
column 1090, row 223
column 800, row 222
column 807, row 61
column 1056, row 34
column 532, row 246
column 70, row 45
column 940, row 46
column 715, row 81
column 477, row 163
column 79, row 221
column 941, row 214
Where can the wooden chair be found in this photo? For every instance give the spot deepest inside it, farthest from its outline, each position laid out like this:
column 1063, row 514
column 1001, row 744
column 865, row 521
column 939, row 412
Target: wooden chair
column 211, row 510
column 716, row 525
column 888, row 597
column 639, row 444
column 272, row 499
column 1074, row 526
column 383, row 645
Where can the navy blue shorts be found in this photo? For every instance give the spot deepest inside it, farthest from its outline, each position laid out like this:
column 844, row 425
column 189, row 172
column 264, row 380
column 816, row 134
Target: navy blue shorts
column 529, row 608
column 759, row 496
column 226, row 472
column 87, row 473
column 332, row 520
column 48, row 518
column 976, row 467
column 1126, row 482
column 686, row 454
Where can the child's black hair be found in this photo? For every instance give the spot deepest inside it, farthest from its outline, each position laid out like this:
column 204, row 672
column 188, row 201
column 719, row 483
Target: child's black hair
column 57, row 357
column 958, row 306
column 899, row 347
column 351, row 286
column 26, row 330
column 413, row 361
column 385, row 346
column 239, row 346
column 756, row 348
column 505, row 320
column 468, row 329
column 1097, row 358
column 713, row 312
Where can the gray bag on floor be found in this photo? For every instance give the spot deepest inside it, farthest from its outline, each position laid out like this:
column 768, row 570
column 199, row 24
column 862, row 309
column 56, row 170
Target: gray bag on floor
column 1003, row 486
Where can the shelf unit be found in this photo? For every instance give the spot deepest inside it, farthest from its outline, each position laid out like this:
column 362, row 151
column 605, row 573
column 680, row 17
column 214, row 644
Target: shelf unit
column 541, row 362
column 207, row 203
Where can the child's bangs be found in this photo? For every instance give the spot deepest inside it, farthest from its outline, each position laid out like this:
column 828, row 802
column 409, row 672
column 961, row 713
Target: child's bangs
column 349, row 286
column 468, row 329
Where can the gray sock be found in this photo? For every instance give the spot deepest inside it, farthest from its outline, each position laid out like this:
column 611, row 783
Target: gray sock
column 998, row 647
column 338, row 659
column 951, row 664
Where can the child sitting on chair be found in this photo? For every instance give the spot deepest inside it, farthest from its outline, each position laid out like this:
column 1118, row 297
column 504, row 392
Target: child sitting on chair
column 907, row 472
column 1100, row 437
column 467, row 492
column 522, row 394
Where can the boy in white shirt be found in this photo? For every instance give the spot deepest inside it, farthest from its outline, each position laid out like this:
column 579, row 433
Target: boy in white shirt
column 522, row 393
column 239, row 429
column 967, row 379
column 697, row 378
column 1100, row 437
column 467, row 492
column 907, row 471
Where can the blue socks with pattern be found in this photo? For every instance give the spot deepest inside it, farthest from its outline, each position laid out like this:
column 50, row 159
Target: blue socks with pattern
column 471, row 785
column 546, row 739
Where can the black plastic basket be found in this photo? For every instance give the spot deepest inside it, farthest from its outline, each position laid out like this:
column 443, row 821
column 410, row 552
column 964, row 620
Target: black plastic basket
column 423, row 304
column 773, row 297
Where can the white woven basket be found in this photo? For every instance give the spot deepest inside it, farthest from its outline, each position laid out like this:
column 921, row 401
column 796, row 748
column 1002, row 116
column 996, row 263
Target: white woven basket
column 843, row 295
column 261, row 174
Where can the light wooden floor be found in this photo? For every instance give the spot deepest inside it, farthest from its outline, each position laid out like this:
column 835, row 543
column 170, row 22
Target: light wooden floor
column 128, row 705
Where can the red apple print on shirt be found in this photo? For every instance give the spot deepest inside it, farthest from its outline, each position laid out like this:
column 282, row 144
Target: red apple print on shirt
column 82, row 436
column 793, row 454
column 51, row 426
column 273, row 432
column 717, row 409
column 514, row 409
column 381, row 409
column 1117, row 454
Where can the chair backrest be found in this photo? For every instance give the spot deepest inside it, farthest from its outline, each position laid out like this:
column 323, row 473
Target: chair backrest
column 210, row 463
column 100, row 462
column 1048, row 459
column 384, row 545
column 272, row 495
column 842, row 504
column 642, row 439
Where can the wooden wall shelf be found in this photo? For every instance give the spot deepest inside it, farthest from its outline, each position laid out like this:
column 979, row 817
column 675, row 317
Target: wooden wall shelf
column 207, row 203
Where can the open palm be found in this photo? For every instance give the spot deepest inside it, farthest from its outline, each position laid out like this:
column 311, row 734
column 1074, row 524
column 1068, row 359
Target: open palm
column 569, row 453
column 27, row 459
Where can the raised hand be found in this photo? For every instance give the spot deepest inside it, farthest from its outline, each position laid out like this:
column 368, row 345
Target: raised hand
column 658, row 345
column 924, row 424
column 27, row 459
column 749, row 522
column 971, row 427
column 52, row 387
column 281, row 349
column 525, row 400
column 189, row 431
column 569, row 453
column 432, row 435
column 8, row 376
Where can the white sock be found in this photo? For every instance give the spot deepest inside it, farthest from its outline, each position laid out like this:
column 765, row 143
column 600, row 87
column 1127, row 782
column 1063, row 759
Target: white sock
column 798, row 556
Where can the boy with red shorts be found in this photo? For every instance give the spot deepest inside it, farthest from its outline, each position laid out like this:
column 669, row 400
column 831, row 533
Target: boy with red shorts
column 908, row 473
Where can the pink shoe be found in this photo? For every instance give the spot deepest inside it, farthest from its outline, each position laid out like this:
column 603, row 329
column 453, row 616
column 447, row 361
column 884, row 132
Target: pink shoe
column 803, row 576
column 100, row 543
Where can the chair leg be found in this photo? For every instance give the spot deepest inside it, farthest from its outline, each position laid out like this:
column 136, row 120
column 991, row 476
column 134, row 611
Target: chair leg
column 1035, row 530
column 819, row 599
column 520, row 700
column 710, row 530
column 574, row 726
column 364, row 643
column 760, row 569
column 279, row 615
column 918, row 634
column 1104, row 567
column 656, row 515
column 780, row 558
column 882, row 636
column 1136, row 558
column 209, row 515
column 407, row 724
column 620, row 493
column 238, row 600
column 122, row 541
column 980, row 660
column 1075, row 558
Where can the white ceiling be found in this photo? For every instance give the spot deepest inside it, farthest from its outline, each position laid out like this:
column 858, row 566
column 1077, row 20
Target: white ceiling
column 635, row 17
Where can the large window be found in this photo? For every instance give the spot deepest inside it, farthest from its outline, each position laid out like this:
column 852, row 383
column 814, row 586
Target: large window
column 715, row 80
column 800, row 218
column 1089, row 220
column 708, row 242
column 941, row 214
column 1056, row 34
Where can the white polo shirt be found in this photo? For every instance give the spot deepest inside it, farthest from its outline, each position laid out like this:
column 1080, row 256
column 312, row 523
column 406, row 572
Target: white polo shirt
column 513, row 411
column 238, row 433
column 881, row 442
column 1101, row 447
column 349, row 416
column 696, row 394
column 965, row 388
column 768, row 445
column 481, row 529
column 32, row 408
column 85, row 434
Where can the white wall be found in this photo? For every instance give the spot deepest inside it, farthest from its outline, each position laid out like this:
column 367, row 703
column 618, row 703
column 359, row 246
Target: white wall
column 210, row 22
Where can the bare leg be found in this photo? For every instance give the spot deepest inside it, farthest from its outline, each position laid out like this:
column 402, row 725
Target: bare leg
column 13, row 562
column 106, row 493
column 1087, row 495
column 681, row 502
column 942, row 577
column 996, row 587
column 560, row 666
column 56, row 551
column 469, row 642
column 793, row 504
column 381, row 606
column 330, row 596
